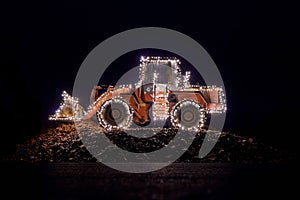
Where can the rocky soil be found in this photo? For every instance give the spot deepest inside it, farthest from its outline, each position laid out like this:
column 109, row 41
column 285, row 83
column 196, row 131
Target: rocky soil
column 61, row 143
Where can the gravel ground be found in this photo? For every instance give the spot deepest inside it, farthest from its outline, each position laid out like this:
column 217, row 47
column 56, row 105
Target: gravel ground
column 61, row 143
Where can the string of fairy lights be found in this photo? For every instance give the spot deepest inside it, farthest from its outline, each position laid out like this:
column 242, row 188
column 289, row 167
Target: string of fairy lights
column 196, row 112
column 124, row 111
column 70, row 109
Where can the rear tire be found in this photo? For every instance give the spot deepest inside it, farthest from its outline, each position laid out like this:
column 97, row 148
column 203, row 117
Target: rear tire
column 188, row 115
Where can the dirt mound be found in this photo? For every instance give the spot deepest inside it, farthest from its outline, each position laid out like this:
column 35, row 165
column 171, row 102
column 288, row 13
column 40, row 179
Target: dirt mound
column 62, row 143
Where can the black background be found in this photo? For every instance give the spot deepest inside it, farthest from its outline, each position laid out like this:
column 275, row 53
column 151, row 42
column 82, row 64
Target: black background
column 253, row 43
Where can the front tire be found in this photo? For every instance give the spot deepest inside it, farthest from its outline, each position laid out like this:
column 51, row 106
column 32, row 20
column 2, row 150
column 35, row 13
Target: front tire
column 115, row 114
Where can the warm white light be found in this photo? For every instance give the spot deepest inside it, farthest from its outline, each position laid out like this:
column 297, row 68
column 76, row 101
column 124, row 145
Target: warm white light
column 70, row 109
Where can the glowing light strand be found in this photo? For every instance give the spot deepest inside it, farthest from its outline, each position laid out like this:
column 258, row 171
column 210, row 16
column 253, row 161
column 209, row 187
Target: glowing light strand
column 69, row 109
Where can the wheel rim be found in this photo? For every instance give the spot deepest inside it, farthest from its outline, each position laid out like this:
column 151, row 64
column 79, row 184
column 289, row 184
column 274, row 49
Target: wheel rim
column 187, row 115
column 115, row 113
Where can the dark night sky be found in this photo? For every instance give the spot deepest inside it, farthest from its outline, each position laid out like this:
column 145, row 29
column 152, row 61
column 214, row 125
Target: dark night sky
column 253, row 44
